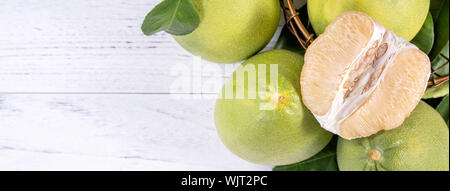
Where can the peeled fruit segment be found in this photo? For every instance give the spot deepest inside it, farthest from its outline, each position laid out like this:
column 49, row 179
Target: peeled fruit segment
column 360, row 78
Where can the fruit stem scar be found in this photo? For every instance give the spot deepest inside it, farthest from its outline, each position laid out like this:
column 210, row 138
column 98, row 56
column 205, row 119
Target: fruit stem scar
column 277, row 97
column 375, row 155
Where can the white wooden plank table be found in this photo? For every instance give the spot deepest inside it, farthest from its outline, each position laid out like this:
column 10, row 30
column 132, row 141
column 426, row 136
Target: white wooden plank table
column 81, row 88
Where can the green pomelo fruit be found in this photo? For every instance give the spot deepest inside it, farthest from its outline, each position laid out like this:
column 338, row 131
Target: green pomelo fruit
column 231, row 30
column 437, row 92
column 421, row 143
column 404, row 17
column 271, row 125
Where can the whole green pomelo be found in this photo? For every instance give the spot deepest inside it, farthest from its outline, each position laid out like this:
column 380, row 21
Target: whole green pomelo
column 231, row 30
column 404, row 17
column 421, row 143
column 267, row 123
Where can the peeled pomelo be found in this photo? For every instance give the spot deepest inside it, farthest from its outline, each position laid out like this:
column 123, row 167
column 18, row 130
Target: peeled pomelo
column 437, row 92
column 404, row 17
column 421, row 143
column 232, row 30
column 267, row 123
column 359, row 78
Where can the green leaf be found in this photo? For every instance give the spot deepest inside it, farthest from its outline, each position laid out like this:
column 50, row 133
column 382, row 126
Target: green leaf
column 176, row 17
column 441, row 29
column 441, row 44
column 443, row 108
column 425, row 38
column 325, row 160
column 440, row 60
column 435, row 8
column 437, row 92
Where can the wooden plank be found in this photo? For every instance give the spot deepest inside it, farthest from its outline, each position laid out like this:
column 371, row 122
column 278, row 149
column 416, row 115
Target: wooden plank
column 89, row 46
column 82, row 89
column 147, row 132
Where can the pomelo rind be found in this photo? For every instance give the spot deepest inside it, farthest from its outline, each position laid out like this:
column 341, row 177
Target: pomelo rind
column 421, row 143
column 404, row 17
column 284, row 135
column 230, row 31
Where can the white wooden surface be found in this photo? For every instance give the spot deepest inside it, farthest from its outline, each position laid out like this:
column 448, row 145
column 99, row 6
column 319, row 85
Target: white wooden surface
column 81, row 88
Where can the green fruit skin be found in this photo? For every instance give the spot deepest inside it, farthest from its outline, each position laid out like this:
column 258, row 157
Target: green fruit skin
column 231, row 30
column 404, row 17
column 421, row 143
column 287, row 134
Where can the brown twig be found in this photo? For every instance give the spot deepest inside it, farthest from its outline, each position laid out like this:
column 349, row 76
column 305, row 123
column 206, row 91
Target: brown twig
column 295, row 25
column 434, row 82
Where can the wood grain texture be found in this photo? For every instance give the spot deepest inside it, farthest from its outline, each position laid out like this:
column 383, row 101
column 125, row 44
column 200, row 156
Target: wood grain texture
column 115, row 132
column 81, row 88
column 86, row 46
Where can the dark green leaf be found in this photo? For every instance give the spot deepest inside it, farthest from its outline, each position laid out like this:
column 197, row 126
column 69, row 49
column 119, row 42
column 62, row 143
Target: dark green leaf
column 325, row 160
column 440, row 60
column 440, row 47
column 425, row 38
column 176, row 17
column 443, row 108
column 435, row 8
column 441, row 30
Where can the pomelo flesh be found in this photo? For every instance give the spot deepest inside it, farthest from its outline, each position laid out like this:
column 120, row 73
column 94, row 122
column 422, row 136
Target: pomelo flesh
column 273, row 128
column 421, row 143
column 360, row 78
column 404, row 17
column 231, row 30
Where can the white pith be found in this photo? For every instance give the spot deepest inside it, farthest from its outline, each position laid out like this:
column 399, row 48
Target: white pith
column 342, row 108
